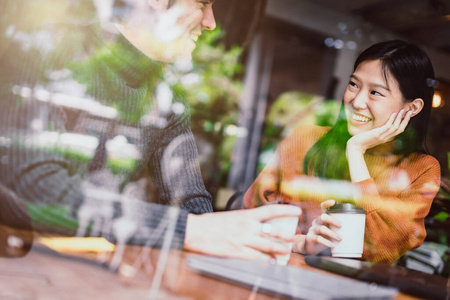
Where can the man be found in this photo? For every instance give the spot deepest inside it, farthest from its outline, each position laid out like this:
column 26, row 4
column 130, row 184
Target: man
column 93, row 118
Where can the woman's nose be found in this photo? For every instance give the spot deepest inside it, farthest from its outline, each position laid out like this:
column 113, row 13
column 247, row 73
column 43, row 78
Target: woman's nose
column 360, row 101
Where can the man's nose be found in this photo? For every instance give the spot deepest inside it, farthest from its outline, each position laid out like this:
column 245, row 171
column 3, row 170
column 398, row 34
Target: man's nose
column 360, row 100
column 208, row 22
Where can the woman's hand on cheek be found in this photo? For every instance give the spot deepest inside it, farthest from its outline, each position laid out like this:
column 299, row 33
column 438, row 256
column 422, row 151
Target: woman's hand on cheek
column 395, row 125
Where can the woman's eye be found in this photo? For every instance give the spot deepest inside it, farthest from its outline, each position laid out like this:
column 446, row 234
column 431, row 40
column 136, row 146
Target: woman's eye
column 375, row 93
column 352, row 84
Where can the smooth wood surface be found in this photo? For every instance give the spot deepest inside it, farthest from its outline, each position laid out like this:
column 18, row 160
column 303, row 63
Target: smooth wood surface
column 46, row 275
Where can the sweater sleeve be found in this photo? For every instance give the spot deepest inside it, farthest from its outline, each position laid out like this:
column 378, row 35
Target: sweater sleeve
column 152, row 225
column 280, row 177
column 266, row 186
column 395, row 214
column 172, row 161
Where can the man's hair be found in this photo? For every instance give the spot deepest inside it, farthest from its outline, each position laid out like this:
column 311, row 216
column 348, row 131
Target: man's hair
column 121, row 9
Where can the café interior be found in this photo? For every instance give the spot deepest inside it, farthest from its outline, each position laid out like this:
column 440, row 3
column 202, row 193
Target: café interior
column 302, row 49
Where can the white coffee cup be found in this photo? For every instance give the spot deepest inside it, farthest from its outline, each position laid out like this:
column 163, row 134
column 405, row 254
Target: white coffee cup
column 283, row 224
column 353, row 221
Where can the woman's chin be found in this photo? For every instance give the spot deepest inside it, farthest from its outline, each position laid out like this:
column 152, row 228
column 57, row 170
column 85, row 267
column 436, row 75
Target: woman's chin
column 353, row 130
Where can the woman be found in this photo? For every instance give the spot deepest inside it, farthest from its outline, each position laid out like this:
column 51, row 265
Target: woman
column 377, row 144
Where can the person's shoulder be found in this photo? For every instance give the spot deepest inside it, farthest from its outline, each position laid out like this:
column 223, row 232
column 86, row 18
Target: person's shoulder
column 313, row 131
column 425, row 162
column 304, row 136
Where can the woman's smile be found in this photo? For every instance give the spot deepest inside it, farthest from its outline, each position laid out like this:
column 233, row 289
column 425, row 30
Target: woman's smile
column 360, row 119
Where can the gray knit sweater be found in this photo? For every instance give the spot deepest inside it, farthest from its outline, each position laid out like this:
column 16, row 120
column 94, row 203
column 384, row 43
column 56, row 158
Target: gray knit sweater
column 94, row 135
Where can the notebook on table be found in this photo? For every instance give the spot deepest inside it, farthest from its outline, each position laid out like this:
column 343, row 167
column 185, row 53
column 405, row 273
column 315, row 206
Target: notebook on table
column 406, row 280
column 287, row 281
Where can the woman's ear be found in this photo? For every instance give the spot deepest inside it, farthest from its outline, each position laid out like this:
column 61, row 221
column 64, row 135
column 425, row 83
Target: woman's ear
column 415, row 106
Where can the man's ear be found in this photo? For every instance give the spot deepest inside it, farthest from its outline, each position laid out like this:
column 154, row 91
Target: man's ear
column 159, row 5
column 415, row 106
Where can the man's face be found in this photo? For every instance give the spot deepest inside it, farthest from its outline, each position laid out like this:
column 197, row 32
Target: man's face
column 194, row 16
column 167, row 33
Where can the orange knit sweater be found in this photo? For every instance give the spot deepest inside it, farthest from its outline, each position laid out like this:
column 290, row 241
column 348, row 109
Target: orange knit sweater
column 396, row 198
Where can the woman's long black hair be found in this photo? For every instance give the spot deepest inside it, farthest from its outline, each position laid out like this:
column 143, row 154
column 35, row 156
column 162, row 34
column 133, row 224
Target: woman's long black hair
column 412, row 69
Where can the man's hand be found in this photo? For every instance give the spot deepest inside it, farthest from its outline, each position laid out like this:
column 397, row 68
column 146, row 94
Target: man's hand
column 239, row 234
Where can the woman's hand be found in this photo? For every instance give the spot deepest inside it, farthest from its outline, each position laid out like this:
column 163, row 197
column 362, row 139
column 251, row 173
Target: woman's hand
column 319, row 236
column 395, row 125
column 240, row 233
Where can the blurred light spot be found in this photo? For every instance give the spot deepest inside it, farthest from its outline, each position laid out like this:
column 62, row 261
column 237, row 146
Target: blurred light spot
column 59, row 74
column 153, row 120
column 168, row 29
column 310, row 186
column 359, row 33
column 175, row 164
column 120, row 139
column 352, row 45
column 16, row 90
column 43, row 40
column 437, row 100
column 25, row 92
column 10, row 30
column 266, row 156
column 5, row 160
column 127, row 270
column 329, row 42
column 231, row 129
column 164, row 97
column 217, row 126
column 432, row 83
column 190, row 79
column 85, row 104
column 338, row 44
column 37, row 124
column 4, row 141
column 178, row 108
column 242, row 132
column 42, row 95
column 183, row 65
column 15, row 242
column 203, row 97
column 343, row 27
column 208, row 126
column 399, row 180
column 104, row 9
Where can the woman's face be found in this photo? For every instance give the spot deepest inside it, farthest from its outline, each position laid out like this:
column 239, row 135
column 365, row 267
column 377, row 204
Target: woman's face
column 369, row 99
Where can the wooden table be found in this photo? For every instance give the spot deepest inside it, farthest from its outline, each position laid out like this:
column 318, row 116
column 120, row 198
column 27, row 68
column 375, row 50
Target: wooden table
column 46, row 275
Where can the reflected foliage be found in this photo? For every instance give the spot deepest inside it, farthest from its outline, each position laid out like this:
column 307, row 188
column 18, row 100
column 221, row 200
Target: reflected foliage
column 290, row 110
column 213, row 88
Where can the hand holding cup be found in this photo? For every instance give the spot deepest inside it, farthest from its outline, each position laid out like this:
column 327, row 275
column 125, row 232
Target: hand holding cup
column 320, row 235
column 352, row 220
